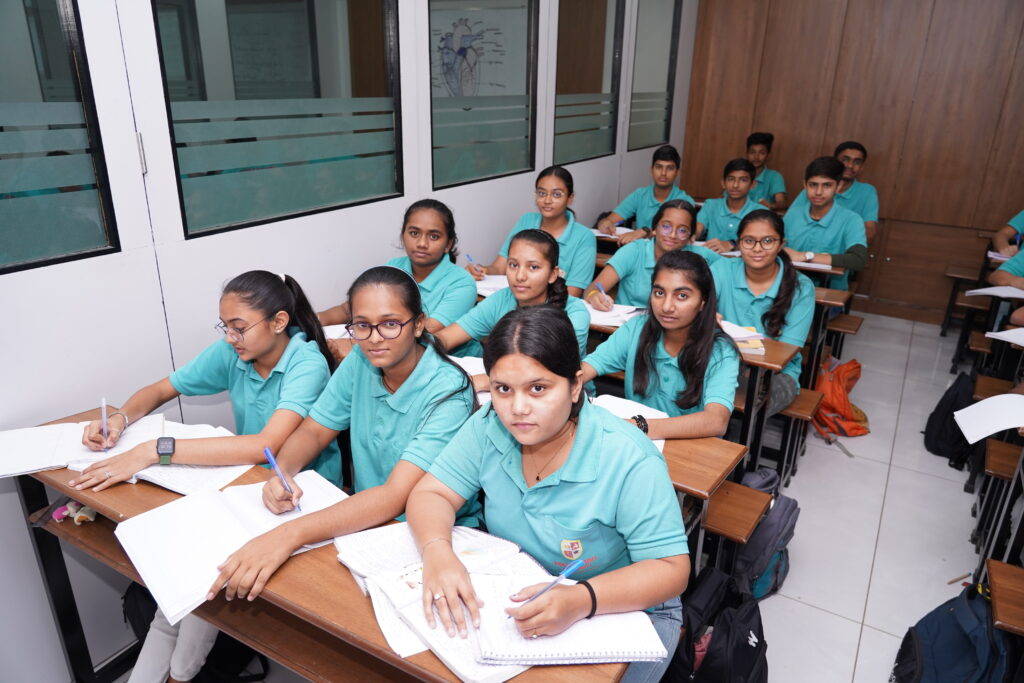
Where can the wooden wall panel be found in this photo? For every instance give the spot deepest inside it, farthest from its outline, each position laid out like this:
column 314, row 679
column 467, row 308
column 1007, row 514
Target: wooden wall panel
column 580, row 64
column 723, row 82
column 879, row 60
column 1001, row 196
column 957, row 102
column 367, row 49
column 801, row 47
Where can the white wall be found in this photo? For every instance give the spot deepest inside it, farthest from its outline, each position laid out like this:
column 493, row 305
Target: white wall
column 107, row 325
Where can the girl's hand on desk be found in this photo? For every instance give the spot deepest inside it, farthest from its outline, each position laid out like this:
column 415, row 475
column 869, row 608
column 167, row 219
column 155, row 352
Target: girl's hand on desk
column 105, row 473
column 476, row 271
column 276, row 498
column 445, row 576
column 249, row 568
column 92, row 438
column 718, row 246
column 628, row 237
column 551, row 613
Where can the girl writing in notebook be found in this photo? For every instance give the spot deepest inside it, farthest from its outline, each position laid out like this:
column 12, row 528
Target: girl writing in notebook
column 402, row 400
column 763, row 290
column 273, row 362
column 565, row 480
column 430, row 243
column 577, row 244
column 631, row 266
column 675, row 357
column 533, row 279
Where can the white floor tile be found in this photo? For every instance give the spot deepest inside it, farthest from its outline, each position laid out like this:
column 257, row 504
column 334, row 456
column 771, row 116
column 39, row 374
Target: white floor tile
column 928, row 330
column 873, row 322
column 922, row 397
column 928, row 363
column 887, row 358
column 875, row 656
column 882, row 387
column 876, row 445
column 922, row 544
column 908, row 449
column 807, row 645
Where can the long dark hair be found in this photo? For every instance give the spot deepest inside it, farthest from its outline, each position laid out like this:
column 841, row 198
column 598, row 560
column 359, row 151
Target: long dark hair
column 409, row 294
column 558, row 292
column 682, row 205
column 704, row 332
column 543, row 333
column 446, row 217
column 269, row 293
column 775, row 317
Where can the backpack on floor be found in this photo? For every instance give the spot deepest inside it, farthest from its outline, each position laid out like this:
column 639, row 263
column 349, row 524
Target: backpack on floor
column 956, row 642
column 837, row 416
column 723, row 640
column 942, row 435
column 762, row 563
column 227, row 661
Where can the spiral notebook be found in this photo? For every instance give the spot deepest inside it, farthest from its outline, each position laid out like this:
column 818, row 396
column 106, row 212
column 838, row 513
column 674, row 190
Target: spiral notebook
column 625, row 637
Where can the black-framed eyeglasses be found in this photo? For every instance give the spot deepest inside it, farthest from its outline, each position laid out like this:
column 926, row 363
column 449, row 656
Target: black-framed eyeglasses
column 766, row 243
column 235, row 334
column 389, row 329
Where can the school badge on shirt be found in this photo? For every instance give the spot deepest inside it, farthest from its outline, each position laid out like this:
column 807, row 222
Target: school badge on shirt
column 571, row 550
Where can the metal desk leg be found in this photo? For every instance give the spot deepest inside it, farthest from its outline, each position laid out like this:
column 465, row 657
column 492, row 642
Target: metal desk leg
column 754, row 415
column 62, row 599
column 818, row 324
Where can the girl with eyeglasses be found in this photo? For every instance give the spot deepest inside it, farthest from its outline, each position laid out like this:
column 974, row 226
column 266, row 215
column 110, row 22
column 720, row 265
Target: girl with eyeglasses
column 274, row 363
column 632, row 265
column 763, row 290
column 675, row 357
column 402, row 400
column 578, row 246
column 565, row 480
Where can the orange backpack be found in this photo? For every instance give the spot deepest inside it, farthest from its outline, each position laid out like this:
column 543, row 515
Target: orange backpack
column 837, row 416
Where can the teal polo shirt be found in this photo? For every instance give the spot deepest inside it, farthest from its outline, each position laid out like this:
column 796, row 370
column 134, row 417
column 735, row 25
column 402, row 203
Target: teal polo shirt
column 642, row 204
column 1015, row 266
column 634, row 264
column 294, row 384
column 611, row 504
column 766, row 185
column 577, row 248
column 719, row 222
column 447, row 293
column 740, row 306
column 861, row 198
column 479, row 322
column 618, row 353
column 1017, row 222
column 835, row 233
column 413, row 424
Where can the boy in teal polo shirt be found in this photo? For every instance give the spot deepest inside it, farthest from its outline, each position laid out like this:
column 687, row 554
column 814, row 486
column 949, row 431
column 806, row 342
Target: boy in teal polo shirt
column 718, row 218
column 643, row 202
column 1007, row 240
column 852, row 194
column 769, row 188
column 822, row 231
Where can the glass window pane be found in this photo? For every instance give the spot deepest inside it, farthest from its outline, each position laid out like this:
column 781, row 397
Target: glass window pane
column 587, row 80
column 482, row 80
column 654, row 72
column 51, row 165
column 288, row 107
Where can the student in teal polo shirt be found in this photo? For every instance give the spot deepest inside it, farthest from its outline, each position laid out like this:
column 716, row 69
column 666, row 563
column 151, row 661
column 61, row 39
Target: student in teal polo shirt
column 447, row 291
column 718, row 218
column 763, row 290
column 676, row 358
column 533, row 279
column 769, row 188
column 565, row 480
column 822, row 231
column 632, row 266
column 577, row 244
column 643, row 202
column 1007, row 240
column 401, row 398
column 1010, row 273
column 852, row 194
column 274, row 364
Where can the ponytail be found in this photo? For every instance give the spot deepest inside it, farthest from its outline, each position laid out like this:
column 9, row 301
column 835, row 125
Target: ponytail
column 775, row 317
column 558, row 291
column 305, row 318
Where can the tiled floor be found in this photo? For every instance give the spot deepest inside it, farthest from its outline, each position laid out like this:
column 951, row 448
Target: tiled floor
column 880, row 534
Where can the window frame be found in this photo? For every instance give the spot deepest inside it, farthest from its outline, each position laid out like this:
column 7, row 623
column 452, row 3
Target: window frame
column 670, row 90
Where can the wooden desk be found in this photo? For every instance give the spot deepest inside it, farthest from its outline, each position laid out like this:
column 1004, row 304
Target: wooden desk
column 1007, row 584
column 759, row 376
column 810, row 270
column 311, row 618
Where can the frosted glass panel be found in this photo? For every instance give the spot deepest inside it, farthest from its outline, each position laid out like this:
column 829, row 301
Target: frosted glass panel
column 654, row 71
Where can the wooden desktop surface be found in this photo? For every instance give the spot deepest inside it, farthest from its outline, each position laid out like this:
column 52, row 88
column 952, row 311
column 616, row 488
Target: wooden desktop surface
column 831, row 297
column 1007, row 584
column 775, row 357
column 832, row 270
column 698, row 467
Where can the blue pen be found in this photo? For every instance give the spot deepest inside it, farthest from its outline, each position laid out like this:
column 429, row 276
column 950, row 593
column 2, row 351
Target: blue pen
column 1018, row 240
column 600, row 288
column 280, row 474
column 570, row 568
column 103, row 416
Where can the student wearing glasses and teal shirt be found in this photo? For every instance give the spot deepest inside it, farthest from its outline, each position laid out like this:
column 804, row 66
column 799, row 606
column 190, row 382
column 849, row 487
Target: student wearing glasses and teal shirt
column 1007, row 239
column 577, row 245
column 769, row 188
column 632, row 266
column 822, row 231
column 718, row 218
column 762, row 289
column 852, row 194
column 643, row 202
column 274, row 363
column 565, row 480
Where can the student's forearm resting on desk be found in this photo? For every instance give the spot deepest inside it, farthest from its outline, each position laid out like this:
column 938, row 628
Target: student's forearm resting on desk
column 608, row 223
column 336, row 315
column 1002, row 278
column 712, row 421
column 1005, row 240
column 855, row 258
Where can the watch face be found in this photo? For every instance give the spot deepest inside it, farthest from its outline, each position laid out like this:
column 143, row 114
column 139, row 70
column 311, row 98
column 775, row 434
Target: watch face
column 165, row 445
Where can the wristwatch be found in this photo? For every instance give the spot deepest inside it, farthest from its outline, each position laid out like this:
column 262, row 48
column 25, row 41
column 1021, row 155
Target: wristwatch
column 809, row 256
column 165, row 449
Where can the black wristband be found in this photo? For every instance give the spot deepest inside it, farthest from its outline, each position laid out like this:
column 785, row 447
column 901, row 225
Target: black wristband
column 593, row 598
column 641, row 422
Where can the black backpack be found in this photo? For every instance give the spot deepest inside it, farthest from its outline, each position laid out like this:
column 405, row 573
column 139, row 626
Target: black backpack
column 736, row 650
column 226, row 662
column 942, row 435
column 762, row 563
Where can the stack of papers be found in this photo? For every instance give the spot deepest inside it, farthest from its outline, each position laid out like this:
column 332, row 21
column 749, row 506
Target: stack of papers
column 491, row 284
column 619, row 230
column 996, row 256
column 617, row 317
column 807, row 265
column 1014, row 336
column 992, row 415
column 336, row 332
column 624, row 408
column 739, row 333
column 1001, row 292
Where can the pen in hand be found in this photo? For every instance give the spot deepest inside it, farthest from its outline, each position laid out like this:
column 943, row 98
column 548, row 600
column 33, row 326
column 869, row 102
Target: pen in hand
column 103, row 422
column 569, row 569
column 280, row 474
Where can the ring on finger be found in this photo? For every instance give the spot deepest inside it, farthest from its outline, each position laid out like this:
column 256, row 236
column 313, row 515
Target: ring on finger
column 107, row 473
column 438, row 596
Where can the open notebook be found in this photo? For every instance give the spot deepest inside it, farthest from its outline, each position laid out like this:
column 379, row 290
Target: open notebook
column 491, row 284
column 617, row 317
column 177, row 547
column 624, row 408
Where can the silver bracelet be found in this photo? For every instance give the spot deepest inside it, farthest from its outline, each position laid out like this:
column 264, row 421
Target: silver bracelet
column 433, row 540
column 125, row 417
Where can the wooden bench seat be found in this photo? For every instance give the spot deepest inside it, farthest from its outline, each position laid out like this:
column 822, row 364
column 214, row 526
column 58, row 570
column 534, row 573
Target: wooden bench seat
column 978, row 303
column 804, row 406
column 979, row 343
column 986, row 387
column 963, row 273
column 844, row 323
column 735, row 510
column 1001, row 458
